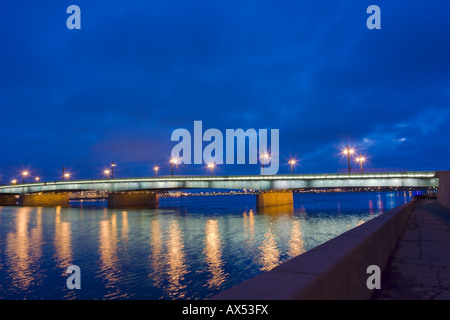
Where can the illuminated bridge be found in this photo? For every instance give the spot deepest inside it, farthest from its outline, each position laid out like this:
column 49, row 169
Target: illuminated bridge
column 131, row 191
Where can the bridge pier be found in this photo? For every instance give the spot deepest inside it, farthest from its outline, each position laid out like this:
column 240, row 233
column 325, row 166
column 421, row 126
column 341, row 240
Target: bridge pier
column 8, row 200
column 275, row 200
column 133, row 199
column 44, row 200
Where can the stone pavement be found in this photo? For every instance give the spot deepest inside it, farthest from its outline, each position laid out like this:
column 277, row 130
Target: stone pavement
column 419, row 267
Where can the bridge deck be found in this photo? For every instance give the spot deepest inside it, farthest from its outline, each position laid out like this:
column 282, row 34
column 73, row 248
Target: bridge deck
column 256, row 182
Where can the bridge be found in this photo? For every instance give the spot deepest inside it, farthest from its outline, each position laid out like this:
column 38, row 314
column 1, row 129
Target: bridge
column 142, row 191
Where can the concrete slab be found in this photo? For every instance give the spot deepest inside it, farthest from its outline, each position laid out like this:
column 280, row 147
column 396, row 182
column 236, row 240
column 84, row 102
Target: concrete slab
column 419, row 267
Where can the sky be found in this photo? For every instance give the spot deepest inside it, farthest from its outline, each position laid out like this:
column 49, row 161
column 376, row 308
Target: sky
column 117, row 88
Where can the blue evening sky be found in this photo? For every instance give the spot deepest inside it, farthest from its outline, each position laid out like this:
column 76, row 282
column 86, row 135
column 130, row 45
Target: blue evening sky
column 137, row 70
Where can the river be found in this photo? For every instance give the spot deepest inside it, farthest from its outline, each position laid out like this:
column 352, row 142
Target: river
column 188, row 248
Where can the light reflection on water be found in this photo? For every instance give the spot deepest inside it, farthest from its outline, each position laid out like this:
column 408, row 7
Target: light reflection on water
column 213, row 255
column 189, row 248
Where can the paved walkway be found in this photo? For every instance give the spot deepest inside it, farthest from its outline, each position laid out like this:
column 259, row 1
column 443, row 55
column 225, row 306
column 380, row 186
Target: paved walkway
column 419, row 268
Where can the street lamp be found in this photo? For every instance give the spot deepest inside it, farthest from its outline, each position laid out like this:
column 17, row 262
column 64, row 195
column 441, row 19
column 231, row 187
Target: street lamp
column 24, row 174
column 173, row 161
column 264, row 157
column 112, row 169
column 13, row 181
column 292, row 163
column 156, row 168
column 66, row 176
column 348, row 152
column 211, row 166
column 107, row 173
column 361, row 159
column 37, row 179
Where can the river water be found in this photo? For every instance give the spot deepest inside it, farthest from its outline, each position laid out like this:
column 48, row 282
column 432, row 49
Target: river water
column 188, row 248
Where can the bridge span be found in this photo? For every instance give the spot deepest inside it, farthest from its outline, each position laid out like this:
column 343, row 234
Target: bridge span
column 118, row 188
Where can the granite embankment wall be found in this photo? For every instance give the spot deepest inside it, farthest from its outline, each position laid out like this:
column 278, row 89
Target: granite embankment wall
column 444, row 189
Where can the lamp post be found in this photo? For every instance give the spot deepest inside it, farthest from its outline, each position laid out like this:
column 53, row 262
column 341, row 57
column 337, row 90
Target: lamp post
column 107, row 173
column 112, row 169
column 13, row 181
column 264, row 157
column 211, row 166
column 172, row 163
column 156, row 168
column 37, row 179
column 66, row 176
column 348, row 152
column 24, row 174
column 292, row 163
column 361, row 159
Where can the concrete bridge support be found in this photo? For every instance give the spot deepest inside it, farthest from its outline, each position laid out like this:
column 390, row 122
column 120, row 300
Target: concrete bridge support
column 133, row 199
column 273, row 200
column 44, row 200
column 8, row 200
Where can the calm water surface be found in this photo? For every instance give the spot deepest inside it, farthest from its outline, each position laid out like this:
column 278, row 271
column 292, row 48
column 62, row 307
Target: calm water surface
column 189, row 248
